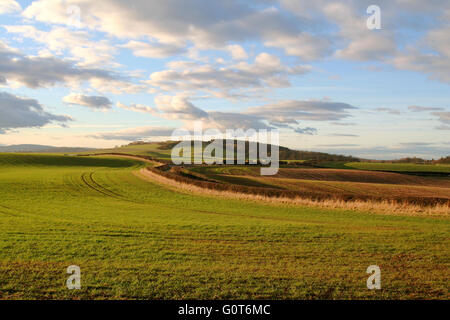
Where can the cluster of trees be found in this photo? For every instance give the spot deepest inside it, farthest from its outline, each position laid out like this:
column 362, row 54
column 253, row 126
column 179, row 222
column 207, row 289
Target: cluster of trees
column 443, row 160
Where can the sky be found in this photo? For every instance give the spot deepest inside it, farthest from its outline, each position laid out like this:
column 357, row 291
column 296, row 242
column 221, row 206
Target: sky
column 108, row 72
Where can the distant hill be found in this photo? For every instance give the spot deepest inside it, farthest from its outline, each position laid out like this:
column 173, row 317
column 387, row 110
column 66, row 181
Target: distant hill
column 415, row 160
column 40, row 149
column 162, row 150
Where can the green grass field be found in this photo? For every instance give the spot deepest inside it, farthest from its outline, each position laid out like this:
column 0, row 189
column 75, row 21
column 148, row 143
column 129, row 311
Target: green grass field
column 151, row 150
column 134, row 239
column 397, row 167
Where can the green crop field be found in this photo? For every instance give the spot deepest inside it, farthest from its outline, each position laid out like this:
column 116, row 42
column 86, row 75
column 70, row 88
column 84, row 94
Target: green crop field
column 135, row 239
column 398, row 167
column 152, row 150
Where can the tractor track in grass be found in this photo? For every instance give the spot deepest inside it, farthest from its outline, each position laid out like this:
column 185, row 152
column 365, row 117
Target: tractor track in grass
column 88, row 176
column 8, row 213
column 3, row 208
column 91, row 177
column 88, row 179
column 90, row 182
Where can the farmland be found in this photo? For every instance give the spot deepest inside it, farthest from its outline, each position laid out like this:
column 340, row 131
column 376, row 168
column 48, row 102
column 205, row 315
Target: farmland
column 396, row 167
column 330, row 183
column 135, row 238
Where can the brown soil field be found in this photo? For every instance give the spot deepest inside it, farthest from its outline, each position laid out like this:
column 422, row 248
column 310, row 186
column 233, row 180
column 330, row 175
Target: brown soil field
column 339, row 175
column 346, row 188
column 361, row 176
column 321, row 183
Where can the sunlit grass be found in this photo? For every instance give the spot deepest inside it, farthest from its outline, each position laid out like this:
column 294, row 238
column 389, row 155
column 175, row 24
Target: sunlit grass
column 134, row 238
column 406, row 167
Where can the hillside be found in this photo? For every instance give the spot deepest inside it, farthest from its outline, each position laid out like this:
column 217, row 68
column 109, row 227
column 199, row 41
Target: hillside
column 26, row 148
column 162, row 150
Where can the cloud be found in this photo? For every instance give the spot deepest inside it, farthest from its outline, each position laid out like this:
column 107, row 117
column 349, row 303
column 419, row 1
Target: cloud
column 431, row 56
column 355, row 41
column 178, row 107
column 17, row 112
column 140, row 133
column 444, row 117
column 343, row 123
column 37, row 72
column 303, row 45
column 289, row 111
column 205, row 24
column 344, row 135
column 237, row 52
column 307, row 130
column 388, row 110
column 425, row 151
column 70, row 42
column 233, row 121
column 267, row 71
column 137, row 108
column 339, row 145
column 282, row 115
column 370, row 47
column 415, row 144
column 436, row 66
column 93, row 102
column 9, row 6
column 155, row 50
column 423, row 109
column 301, row 28
column 426, row 51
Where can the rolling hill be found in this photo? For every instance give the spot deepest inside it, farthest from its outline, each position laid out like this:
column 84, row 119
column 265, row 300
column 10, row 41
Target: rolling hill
column 31, row 148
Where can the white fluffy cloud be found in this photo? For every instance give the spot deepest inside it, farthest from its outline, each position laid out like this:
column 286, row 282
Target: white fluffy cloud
column 18, row 112
column 284, row 114
column 35, row 72
column 73, row 43
column 155, row 50
column 204, row 23
column 178, row 107
column 137, row 108
column 267, row 71
column 237, row 52
column 309, row 30
column 9, row 6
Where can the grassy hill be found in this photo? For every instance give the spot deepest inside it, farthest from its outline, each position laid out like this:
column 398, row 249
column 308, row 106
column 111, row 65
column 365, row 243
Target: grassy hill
column 162, row 150
column 137, row 239
column 28, row 148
